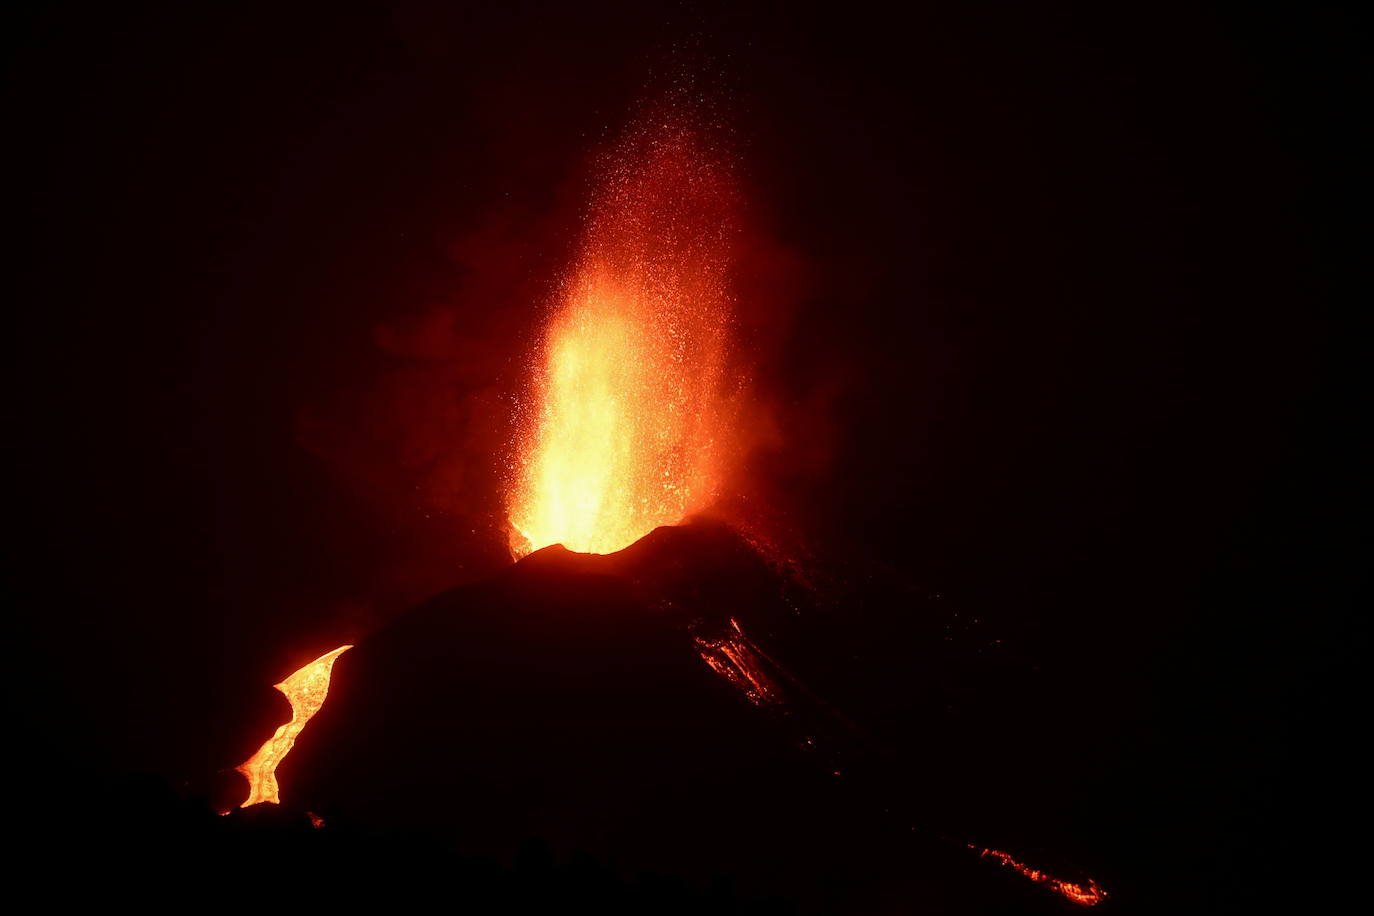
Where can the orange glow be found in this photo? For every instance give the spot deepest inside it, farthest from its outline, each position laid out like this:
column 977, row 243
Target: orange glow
column 626, row 429
column 740, row 662
column 305, row 690
column 1086, row 895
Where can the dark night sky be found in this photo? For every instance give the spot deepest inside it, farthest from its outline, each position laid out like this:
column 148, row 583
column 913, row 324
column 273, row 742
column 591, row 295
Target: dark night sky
column 1051, row 304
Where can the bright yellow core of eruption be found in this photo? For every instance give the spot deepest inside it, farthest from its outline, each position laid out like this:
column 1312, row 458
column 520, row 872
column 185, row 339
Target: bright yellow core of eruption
column 305, row 690
column 628, row 425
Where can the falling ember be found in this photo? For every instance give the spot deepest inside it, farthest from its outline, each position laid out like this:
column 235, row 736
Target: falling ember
column 1089, row 895
column 626, row 429
column 305, row 690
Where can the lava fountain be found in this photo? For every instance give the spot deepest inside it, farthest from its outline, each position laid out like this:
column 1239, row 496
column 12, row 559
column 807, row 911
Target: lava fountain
column 627, row 426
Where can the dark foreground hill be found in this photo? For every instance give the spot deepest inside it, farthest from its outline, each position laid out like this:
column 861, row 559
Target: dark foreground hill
column 665, row 729
column 558, row 735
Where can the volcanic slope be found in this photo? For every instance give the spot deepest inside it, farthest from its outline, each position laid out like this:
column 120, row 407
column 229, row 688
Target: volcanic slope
column 568, row 707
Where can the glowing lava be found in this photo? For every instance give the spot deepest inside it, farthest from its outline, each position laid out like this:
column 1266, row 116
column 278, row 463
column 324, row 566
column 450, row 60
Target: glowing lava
column 1087, row 896
column 740, row 662
column 627, row 425
column 305, row 690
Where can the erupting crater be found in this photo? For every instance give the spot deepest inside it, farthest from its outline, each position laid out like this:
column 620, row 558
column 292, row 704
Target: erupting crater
column 627, row 426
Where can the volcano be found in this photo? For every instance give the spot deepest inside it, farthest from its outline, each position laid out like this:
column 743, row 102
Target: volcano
column 1035, row 328
column 613, row 730
column 616, row 719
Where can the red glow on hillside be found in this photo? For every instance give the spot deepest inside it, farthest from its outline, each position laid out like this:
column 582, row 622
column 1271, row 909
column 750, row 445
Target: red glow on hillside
column 1088, row 895
column 740, row 662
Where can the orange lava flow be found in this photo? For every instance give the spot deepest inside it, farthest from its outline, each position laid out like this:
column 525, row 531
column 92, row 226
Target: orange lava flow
column 740, row 662
column 305, row 690
column 1088, row 895
column 626, row 428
